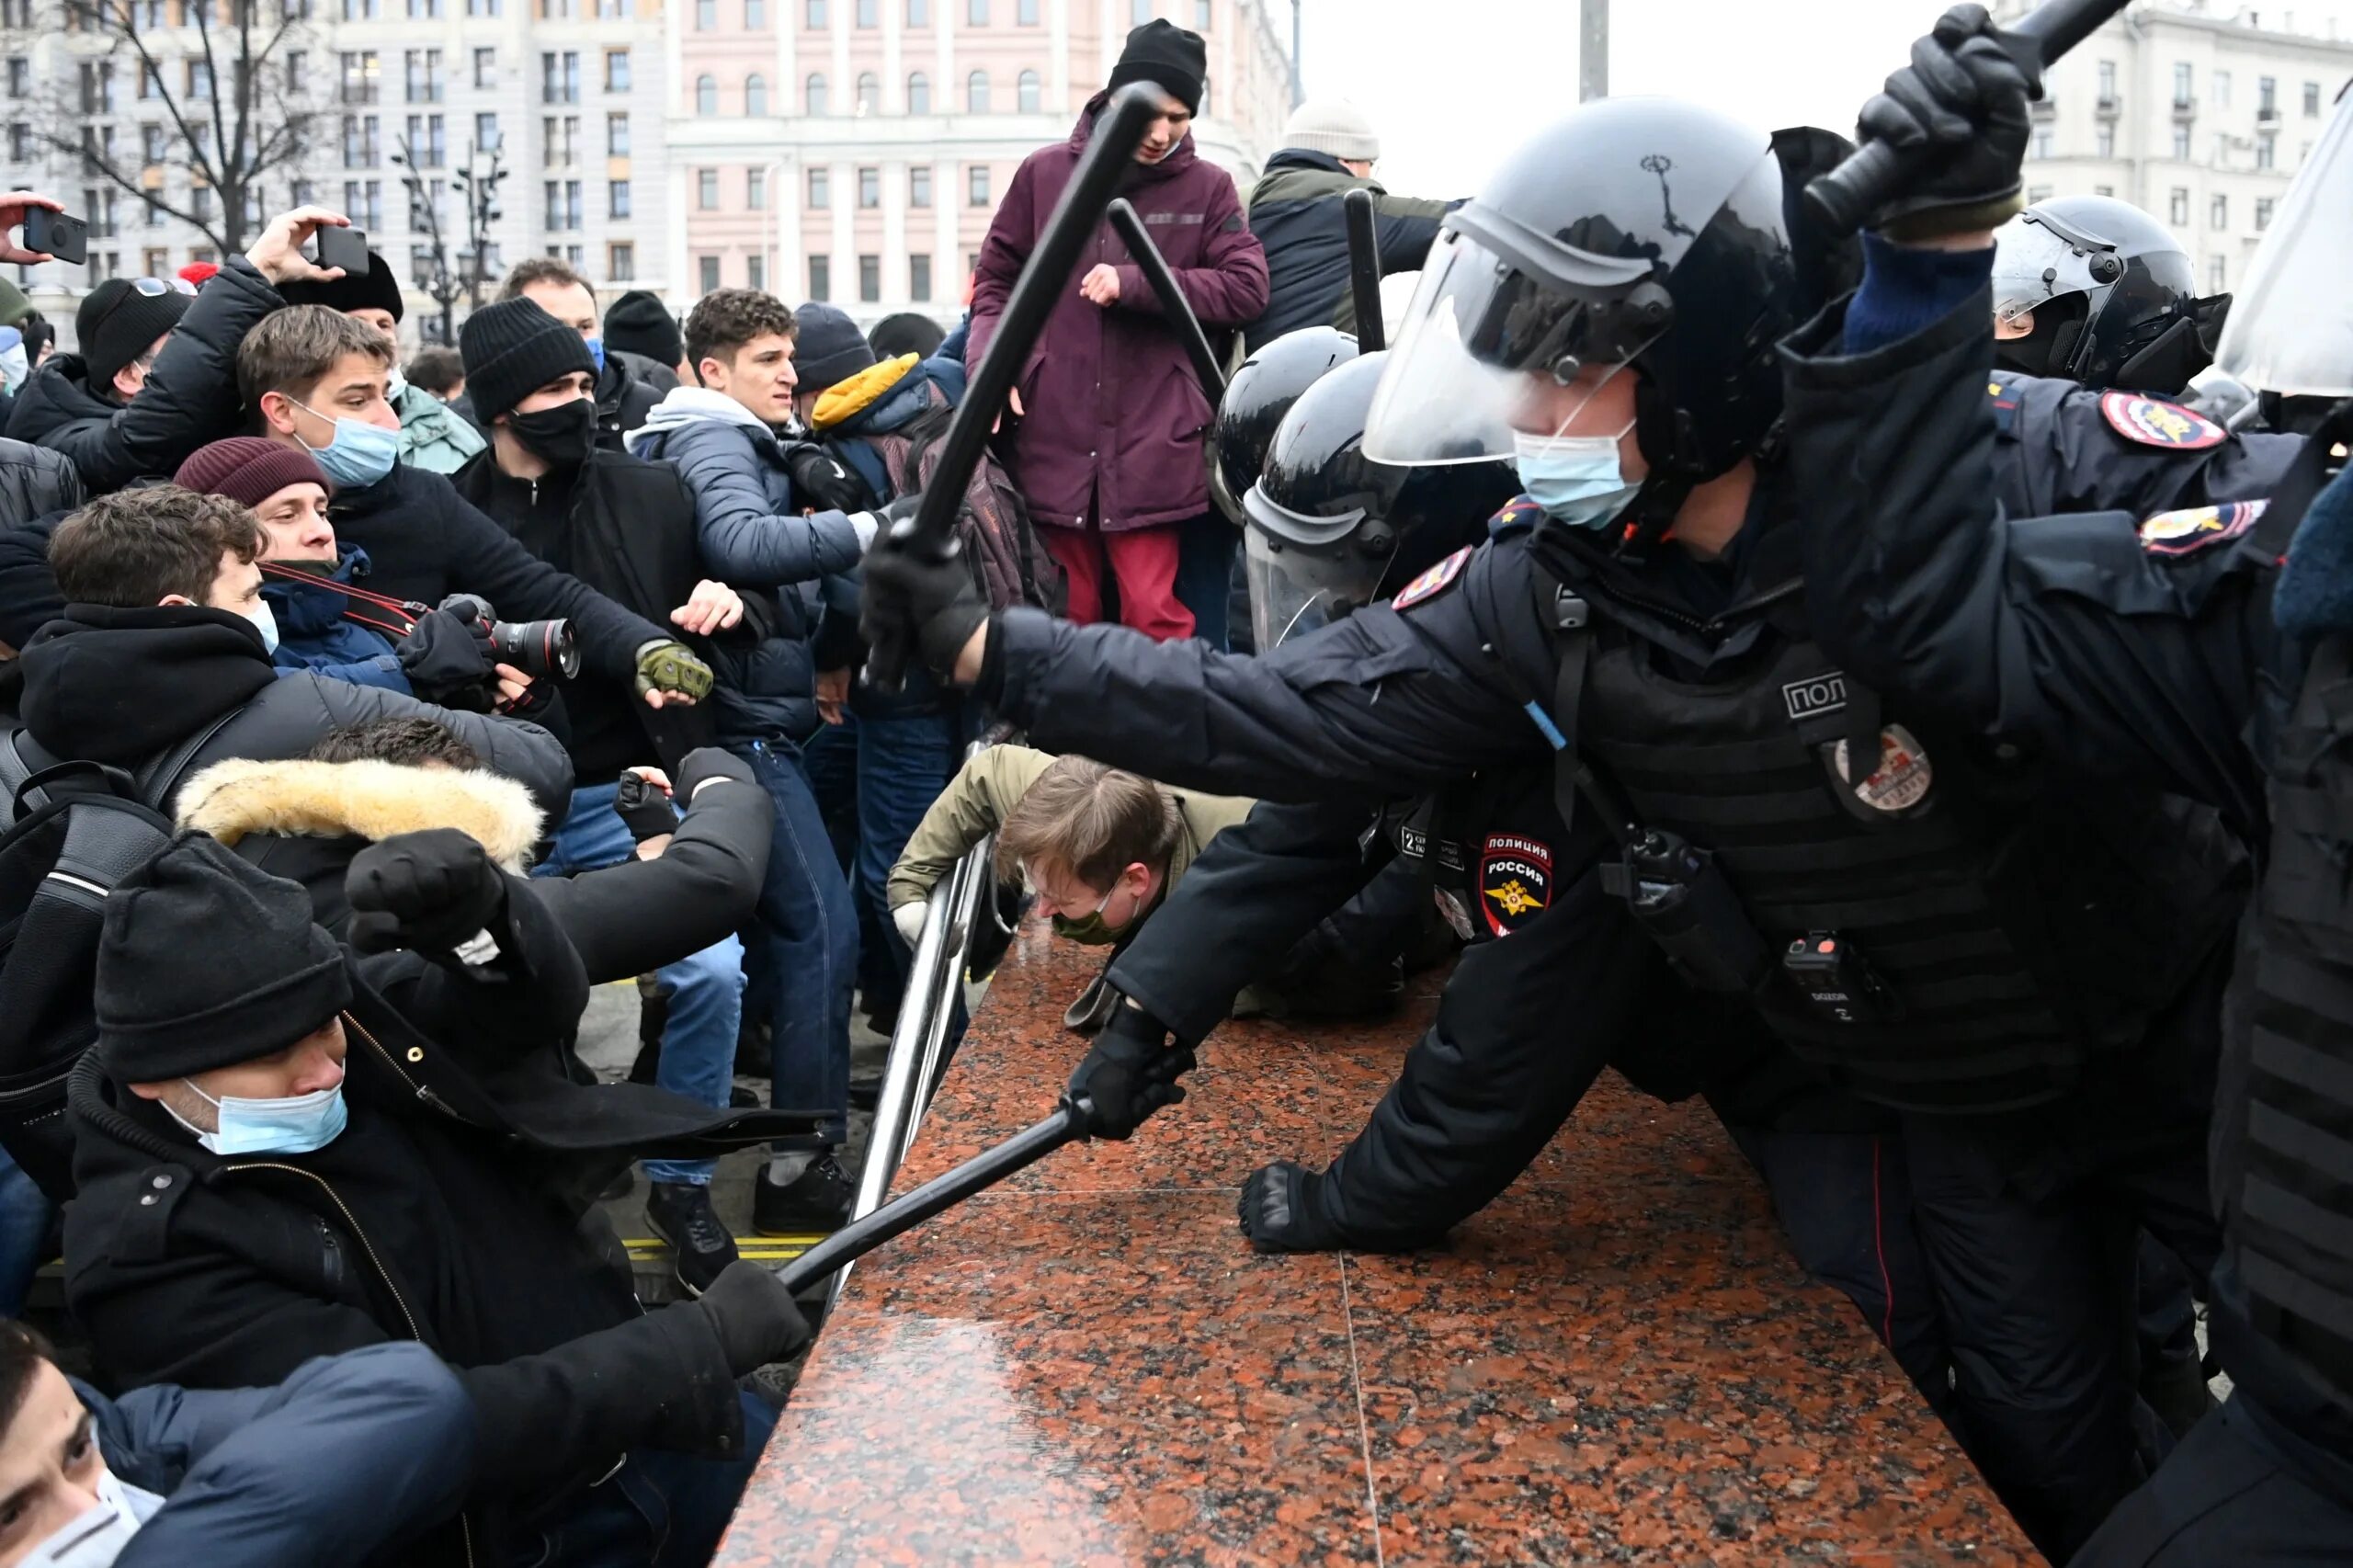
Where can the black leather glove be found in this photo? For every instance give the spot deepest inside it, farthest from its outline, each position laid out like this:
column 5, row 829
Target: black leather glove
column 429, row 891
column 755, row 1316
column 1130, row 1072
column 645, row 809
column 703, row 765
column 447, row 656
column 1281, row 1210
column 914, row 600
column 1959, row 109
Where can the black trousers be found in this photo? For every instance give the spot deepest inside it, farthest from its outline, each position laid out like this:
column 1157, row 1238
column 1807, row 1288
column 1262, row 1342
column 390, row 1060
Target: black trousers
column 2242, row 1491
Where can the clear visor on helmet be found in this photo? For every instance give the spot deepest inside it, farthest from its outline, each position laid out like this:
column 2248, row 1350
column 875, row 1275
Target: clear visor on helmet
column 1488, row 353
column 1294, row 590
column 2034, row 264
column 2290, row 328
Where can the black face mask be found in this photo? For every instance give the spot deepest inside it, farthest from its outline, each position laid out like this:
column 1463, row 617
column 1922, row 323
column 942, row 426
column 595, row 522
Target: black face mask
column 562, row 434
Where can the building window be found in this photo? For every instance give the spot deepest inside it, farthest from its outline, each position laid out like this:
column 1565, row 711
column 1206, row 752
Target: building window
column 559, row 77
column 976, row 93
column 1138, row 12
column 814, row 95
column 2266, row 96
column 919, row 93
column 976, row 13
column 2104, row 141
column 870, row 187
column 485, row 67
column 363, row 203
column 756, row 189
column 706, row 16
column 2221, row 89
column 708, row 268
column 617, row 70
column 821, row 189
column 2045, row 143
column 2178, row 209
column 816, row 10
column 359, row 147
column 2181, row 143
column 706, row 95
column 359, row 79
column 1028, row 92
column 919, row 185
column 976, row 185
column 755, row 95
column 2262, row 213
column 1201, row 9
column 620, row 262
column 616, row 198
column 2267, row 151
column 707, row 189
column 821, row 277
column 870, row 278
column 617, row 136
column 755, row 271
column 151, row 143
column 918, row 13
column 2312, row 100
column 562, row 203
column 870, row 93
column 2218, row 276
column 869, row 13
column 1024, row 13
column 2181, row 98
column 428, row 142
column 423, row 67
column 560, row 136
column 486, row 133
column 2217, row 212
column 919, row 279
column 755, row 15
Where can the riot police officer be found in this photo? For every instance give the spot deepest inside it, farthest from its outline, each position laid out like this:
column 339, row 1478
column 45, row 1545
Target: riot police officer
column 2015, row 963
column 2091, row 290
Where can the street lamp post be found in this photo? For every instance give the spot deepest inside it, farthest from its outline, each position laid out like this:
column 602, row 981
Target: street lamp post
column 479, row 185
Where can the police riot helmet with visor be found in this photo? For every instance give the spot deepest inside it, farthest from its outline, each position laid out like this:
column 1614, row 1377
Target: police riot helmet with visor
column 2100, row 282
column 1260, row 394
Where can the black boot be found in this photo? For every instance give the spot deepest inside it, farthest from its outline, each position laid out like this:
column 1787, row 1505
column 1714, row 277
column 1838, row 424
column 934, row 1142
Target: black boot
column 681, row 1214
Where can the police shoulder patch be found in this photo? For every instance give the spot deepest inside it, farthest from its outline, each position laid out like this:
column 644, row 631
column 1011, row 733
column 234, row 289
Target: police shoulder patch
column 1515, row 880
column 2153, row 422
column 2192, row 529
column 1432, row 583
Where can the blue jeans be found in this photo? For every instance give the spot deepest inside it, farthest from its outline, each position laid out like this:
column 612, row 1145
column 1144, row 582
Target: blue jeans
column 659, row 1510
column 704, row 990
column 810, row 928
column 1205, row 573
column 24, row 1235
column 903, row 763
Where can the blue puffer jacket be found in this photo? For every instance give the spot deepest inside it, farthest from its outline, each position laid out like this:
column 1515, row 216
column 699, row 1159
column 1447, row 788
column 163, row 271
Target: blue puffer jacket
column 313, row 634
column 752, row 537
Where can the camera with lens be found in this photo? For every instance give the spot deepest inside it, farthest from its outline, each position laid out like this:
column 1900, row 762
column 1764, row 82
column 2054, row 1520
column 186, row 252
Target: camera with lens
column 537, row 648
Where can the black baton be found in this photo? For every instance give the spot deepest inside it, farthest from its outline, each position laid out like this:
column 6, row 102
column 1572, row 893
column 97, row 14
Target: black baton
column 1847, row 194
column 1173, row 303
column 1364, row 271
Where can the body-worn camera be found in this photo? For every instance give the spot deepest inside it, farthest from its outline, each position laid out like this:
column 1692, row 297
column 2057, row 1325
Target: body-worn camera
column 536, row 647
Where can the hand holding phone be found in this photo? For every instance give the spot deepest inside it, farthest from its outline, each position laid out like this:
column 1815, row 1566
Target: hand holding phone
column 50, row 234
column 345, row 248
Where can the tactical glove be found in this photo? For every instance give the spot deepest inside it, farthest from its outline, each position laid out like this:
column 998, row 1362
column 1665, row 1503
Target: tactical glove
column 914, row 600
column 1130, row 1072
column 1281, row 1210
column 672, row 666
column 448, row 658
column 432, row 892
column 1959, row 113
column 644, row 808
column 755, row 1316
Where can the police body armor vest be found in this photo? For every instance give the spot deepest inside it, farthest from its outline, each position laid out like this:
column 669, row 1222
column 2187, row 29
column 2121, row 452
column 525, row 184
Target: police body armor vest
column 2010, row 932
column 2293, row 1221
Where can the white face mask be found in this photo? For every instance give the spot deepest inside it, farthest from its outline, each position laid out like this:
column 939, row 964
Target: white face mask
column 96, row 1536
column 266, row 618
column 14, row 367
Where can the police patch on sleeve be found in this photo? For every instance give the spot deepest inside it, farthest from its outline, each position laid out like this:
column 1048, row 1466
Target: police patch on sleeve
column 2152, row 422
column 1515, row 882
column 2193, row 529
column 1432, row 583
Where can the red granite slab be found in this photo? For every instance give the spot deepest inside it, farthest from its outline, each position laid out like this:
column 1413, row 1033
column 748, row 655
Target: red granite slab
column 1615, row 1363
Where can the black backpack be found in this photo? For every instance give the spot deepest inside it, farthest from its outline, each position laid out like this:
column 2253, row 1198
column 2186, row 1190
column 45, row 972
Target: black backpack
column 76, row 830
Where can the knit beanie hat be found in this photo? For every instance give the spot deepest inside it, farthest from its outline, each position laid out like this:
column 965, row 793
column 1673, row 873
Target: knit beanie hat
column 827, row 347
column 14, row 306
column 1331, row 125
column 512, row 349
column 206, row 960
column 200, row 272
column 1163, row 53
column 248, row 470
column 117, row 324
column 377, row 291
column 640, row 323
column 909, row 332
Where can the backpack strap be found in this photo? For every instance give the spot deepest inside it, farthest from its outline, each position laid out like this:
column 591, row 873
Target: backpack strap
column 159, row 777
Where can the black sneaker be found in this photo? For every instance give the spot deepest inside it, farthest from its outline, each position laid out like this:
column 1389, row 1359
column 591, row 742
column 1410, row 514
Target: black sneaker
column 816, row 1199
column 681, row 1214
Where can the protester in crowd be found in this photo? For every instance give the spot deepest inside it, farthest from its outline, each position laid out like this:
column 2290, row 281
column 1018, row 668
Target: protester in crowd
column 163, row 1476
column 155, row 377
column 626, row 527
column 640, row 330
column 722, row 435
column 624, row 397
column 285, row 1149
column 1107, row 445
column 440, row 372
column 908, row 332
column 1296, row 209
column 316, row 381
column 433, row 436
column 34, row 482
column 166, row 637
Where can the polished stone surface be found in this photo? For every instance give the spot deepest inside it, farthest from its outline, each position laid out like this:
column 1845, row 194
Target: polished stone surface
column 1615, row 1363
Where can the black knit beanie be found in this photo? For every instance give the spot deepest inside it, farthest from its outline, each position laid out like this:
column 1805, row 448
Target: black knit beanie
column 640, row 323
column 377, row 290
column 827, row 347
column 1163, row 53
column 206, row 960
column 117, row 324
column 512, row 349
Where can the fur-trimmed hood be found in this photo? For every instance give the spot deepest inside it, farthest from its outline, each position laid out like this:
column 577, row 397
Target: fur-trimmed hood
column 367, row 800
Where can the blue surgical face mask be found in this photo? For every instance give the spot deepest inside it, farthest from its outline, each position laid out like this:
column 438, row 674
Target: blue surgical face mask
column 1577, row 479
column 98, row 1535
column 360, row 454
column 300, row 1124
column 596, row 352
column 266, row 620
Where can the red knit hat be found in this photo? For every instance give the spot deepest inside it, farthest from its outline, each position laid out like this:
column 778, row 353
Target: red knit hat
column 248, row 470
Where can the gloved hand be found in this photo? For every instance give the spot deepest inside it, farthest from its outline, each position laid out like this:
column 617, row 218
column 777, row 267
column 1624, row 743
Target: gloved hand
column 429, row 892
column 645, row 808
column 1130, row 1072
column 448, row 658
column 1281, row 1211
column 703, row 765
column 1960, row 108
column 908, row 918
column 672, row 666
column 755, row 1317
column 910, row 599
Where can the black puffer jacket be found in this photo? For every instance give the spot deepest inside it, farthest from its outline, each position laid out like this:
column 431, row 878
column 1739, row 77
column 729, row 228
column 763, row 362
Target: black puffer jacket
column 190, row 397
column 34, row 482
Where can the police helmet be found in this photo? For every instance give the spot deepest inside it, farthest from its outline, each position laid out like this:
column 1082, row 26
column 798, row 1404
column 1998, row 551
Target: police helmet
column 1260, row 394
column 1330, row 530
column 1641, row 235
column 2109, row 293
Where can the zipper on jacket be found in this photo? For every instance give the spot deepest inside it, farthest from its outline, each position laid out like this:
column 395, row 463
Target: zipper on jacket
column 422, row 1091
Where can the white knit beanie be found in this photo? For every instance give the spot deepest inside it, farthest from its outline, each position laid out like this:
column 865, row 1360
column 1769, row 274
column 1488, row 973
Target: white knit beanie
column 1334, row 126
